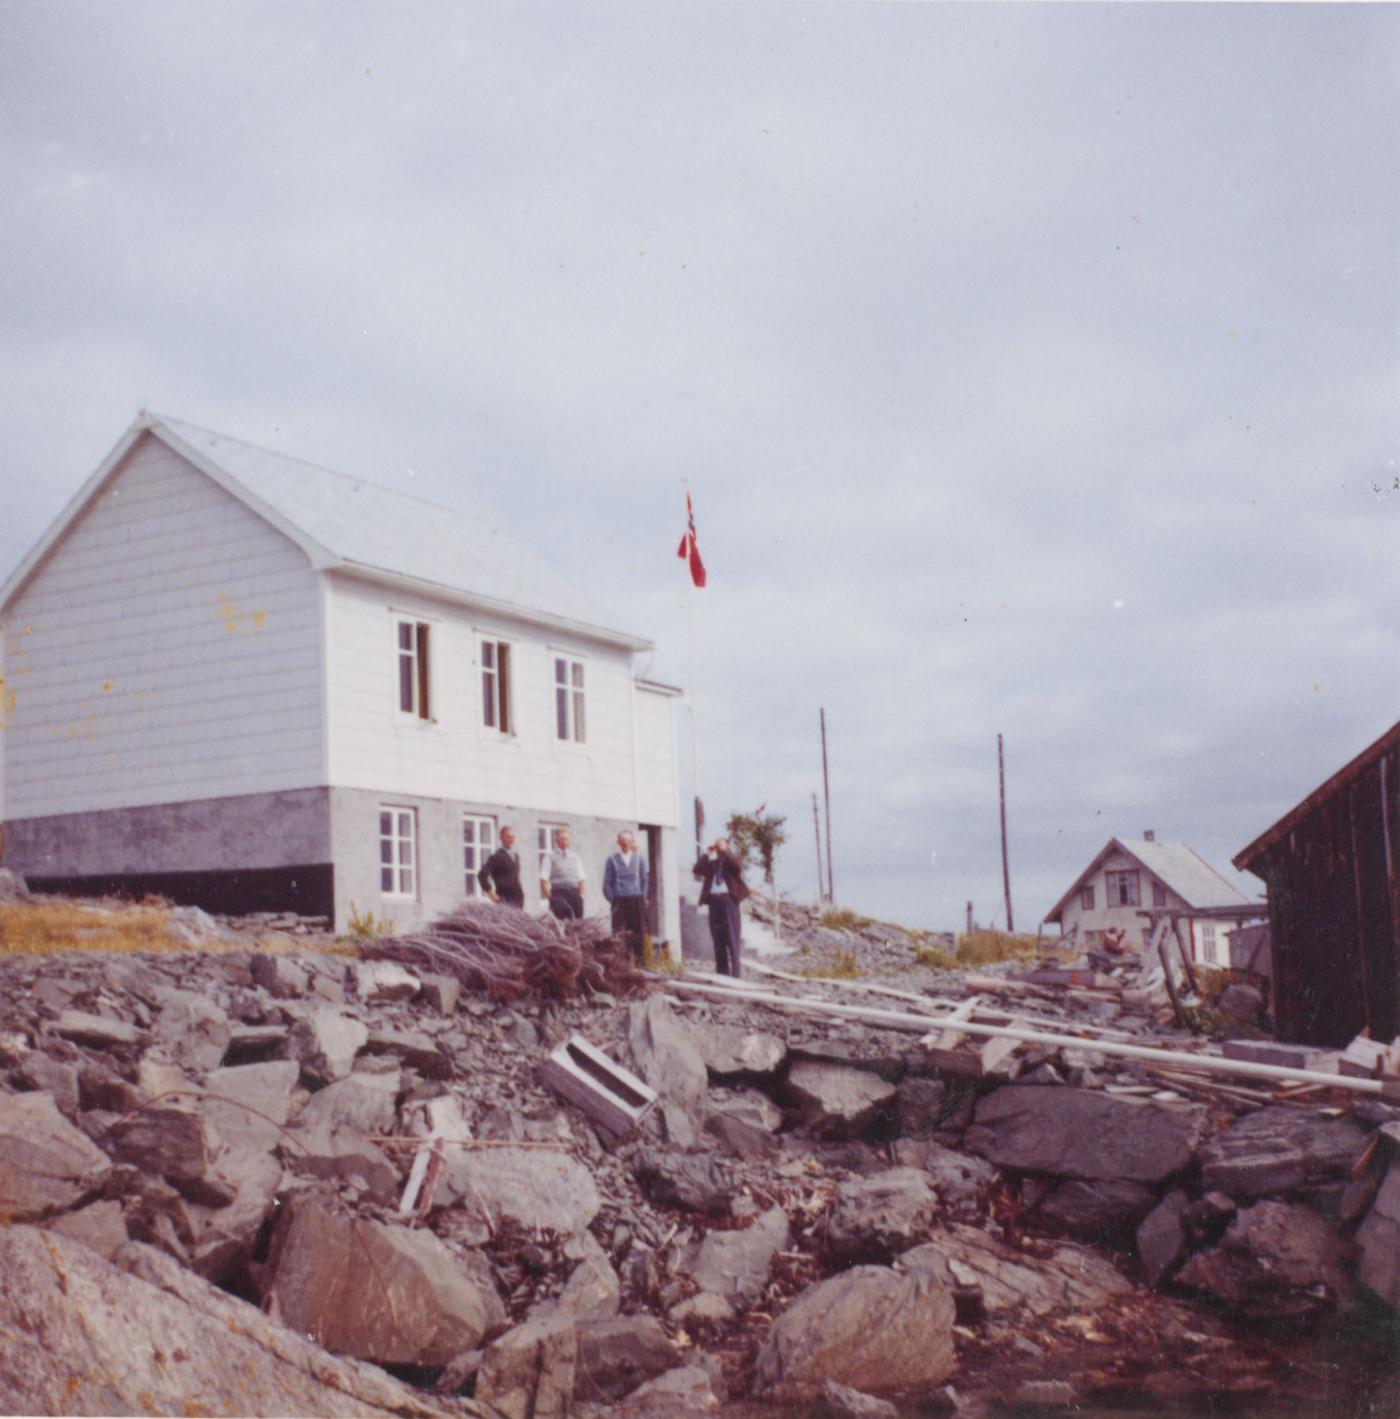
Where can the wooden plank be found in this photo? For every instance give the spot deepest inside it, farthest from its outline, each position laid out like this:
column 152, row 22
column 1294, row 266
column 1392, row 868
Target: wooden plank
column 949, row 1039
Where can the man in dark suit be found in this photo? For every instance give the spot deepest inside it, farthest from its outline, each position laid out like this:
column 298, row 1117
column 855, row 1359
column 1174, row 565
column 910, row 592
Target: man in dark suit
column 500, row 873
column 722, row 888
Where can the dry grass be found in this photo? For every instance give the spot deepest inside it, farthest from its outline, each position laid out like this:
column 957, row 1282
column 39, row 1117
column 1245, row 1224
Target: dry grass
column 842, row 965
column 43, row 928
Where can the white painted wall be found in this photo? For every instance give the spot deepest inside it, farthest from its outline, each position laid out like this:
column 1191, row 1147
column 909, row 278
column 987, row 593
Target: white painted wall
column 373, row 746
column 1102, row 917
column 166, row 650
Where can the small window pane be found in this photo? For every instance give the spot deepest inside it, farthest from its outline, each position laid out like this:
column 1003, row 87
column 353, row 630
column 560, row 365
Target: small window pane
column 406, row 683
column 386, row 879
column 561, row 713
column 405, row 825
column 488, row 832
column 578, row 674
column 405, row 635
column 386, row 849
column 578, row 715
column 386, row 821
column 469, row 830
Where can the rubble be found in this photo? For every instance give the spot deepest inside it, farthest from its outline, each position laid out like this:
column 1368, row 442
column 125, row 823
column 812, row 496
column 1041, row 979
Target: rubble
column 203, row 1117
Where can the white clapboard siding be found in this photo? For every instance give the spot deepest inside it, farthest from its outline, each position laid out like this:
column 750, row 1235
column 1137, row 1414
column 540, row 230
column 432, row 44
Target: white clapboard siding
column 658, row 784
column 373, row 746
column 166, row 650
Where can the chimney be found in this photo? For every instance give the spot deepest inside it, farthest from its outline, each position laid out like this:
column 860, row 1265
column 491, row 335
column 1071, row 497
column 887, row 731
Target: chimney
column 1149, row 835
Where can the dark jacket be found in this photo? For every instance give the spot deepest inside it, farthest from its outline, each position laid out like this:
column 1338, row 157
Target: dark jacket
column 705, row 870
column 502, row 871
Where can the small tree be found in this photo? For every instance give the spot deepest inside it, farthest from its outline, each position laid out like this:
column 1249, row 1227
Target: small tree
column 761, row 835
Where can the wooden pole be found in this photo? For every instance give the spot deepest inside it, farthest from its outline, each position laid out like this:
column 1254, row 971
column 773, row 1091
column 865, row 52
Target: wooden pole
column 826, row 790
column 969, row 918
column 817, row 829
column 1005, row 868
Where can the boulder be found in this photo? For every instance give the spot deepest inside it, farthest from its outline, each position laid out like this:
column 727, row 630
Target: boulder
column 959, row 1178
column 363, row 1104
column 684, row 1393
column 96, row 1030
column 440, row 993
column 529, row 1372
column 837, row 1101
column 1161, row 1237
column 1083, row 1133
column 665, row 1055
column 874, row 1218
column 871, row 1328
column 325, row 1042
column 388, row 1294
column 46, row 1165
column 1104, row 1211
column 383, row 982
column 1379, row 1240
column 695, row 1182
column 843, row 1402
column 193, row 1031
column 751, row 1106
column 735, row 1264
column 615, row 1356
column 1277, row 1149
column 592, row 1291
column 145, row 1336
column 281, row 977
column 1243, row 1002
column 53, row 1077
column 171, row 1140
column 741, row 1139
column 921, row 1106
column 413, row 1048
column 223, row 1237
column 250, row 1103
column 1278, row 1261
column 99, row 1225
column 527, row 1187
column 729, row 1050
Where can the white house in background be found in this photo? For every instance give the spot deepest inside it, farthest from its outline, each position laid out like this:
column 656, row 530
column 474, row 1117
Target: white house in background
column 1134, row 880
column 248, row 683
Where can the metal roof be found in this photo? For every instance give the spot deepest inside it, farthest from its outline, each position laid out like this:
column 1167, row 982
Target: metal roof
column 1176, row 866
column 350, row 525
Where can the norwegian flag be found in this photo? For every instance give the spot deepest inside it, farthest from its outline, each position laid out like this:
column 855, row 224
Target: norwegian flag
column 689, row 548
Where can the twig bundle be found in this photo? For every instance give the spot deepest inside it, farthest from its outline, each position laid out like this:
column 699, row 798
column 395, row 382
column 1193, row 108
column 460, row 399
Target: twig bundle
column 504, row 953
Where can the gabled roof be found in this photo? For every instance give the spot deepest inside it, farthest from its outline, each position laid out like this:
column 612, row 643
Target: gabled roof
column 348, row 525
column 1178, row 867
column 1353, row 769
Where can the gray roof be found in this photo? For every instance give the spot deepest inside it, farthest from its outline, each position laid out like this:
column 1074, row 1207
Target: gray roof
column 350, row 525
column 1178, row 867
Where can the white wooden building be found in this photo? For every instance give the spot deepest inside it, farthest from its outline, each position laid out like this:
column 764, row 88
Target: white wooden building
column 1133, row 880
column 249, row 683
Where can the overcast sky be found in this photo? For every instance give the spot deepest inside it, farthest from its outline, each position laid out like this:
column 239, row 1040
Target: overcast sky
column 1033, row 368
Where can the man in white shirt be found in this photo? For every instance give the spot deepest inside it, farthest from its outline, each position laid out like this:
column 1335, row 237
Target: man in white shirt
column 562, row 878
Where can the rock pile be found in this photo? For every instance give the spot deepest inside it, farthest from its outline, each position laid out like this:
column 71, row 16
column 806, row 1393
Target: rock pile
column 205, row 1146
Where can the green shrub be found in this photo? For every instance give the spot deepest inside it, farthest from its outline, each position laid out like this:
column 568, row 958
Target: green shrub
column 936, row 957
column 368, row 927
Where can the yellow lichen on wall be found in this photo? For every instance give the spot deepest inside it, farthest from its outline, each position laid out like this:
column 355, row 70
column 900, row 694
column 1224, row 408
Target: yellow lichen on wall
column 237, row 621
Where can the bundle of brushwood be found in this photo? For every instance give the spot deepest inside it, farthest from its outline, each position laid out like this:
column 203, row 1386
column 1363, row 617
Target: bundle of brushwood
column 504, row 954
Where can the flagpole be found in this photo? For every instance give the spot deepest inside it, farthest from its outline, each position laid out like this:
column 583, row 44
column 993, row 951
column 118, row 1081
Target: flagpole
column 694, row 697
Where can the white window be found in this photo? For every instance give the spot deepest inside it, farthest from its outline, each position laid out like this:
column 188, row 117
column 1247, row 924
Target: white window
column 412, row 637
column 1208, row 942
column 398, row 858
column 1122, row 889
column 548, row 838
column 496, row 687
column 478, row 843
column 568, row 699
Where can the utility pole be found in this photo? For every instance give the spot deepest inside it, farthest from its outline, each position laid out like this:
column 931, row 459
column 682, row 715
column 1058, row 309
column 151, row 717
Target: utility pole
column 817, row 829
column 1005, row 868
column 826, row 789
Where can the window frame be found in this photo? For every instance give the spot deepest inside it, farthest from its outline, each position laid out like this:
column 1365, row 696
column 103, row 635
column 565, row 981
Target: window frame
column 546, row 840
column 419, row 656
column 1209, row 948
column 573, row 687
column 497, row 682
column 395, row 838
column 1115, row 881
column 1159, row 893
column 481, row 849
column 1086, row 898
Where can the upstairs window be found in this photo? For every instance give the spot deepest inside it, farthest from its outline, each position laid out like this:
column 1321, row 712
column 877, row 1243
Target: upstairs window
column 495, row 686
column 1086, row 899
column 398, row 840
column 1208, row 948
column 414, row 698
column 1159, row 895
column 568, row 699
column 478, row 843
column 1122, row 889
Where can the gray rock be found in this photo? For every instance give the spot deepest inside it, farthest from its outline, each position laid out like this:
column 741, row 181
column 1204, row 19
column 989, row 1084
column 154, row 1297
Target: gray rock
column 281, row 977
column 413, row 1048
column 362, row 1104
column 527, row 1187
column 46, row 1165
column 959, row 1178
column 1277, row 1149
column 1161, row 1237
column 85, row 1336
column 1244, row 1002
column 1379, row 1240
column 96, row 1030
column 870, row 1328
column 592, row 1291
column 223, row 1237
column 388, row 1294
column 529, row 1372
column 665, row 1055
column 876, row 1217
column 750, row 1106
column 60, row 1081
column 171, row 1140
column 837, row 1101
column 695, row 1182
column 741, row 1139
column 729, row 1050
column 194, row 1032
column 843, row 1402
column 250, row 1103
column 1080, row 1133
column 615, row 1356
column 440, row 993
column 1105, row 1211
column 1277, row 1261
column 735, row 1264
column 384, row 982
column 325, row 1043
column 684, row 1393
column 921, row 1105
column 99, row 1225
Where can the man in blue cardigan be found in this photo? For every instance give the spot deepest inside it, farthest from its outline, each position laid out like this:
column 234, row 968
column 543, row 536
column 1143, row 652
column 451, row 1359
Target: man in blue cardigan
column 625, row 884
